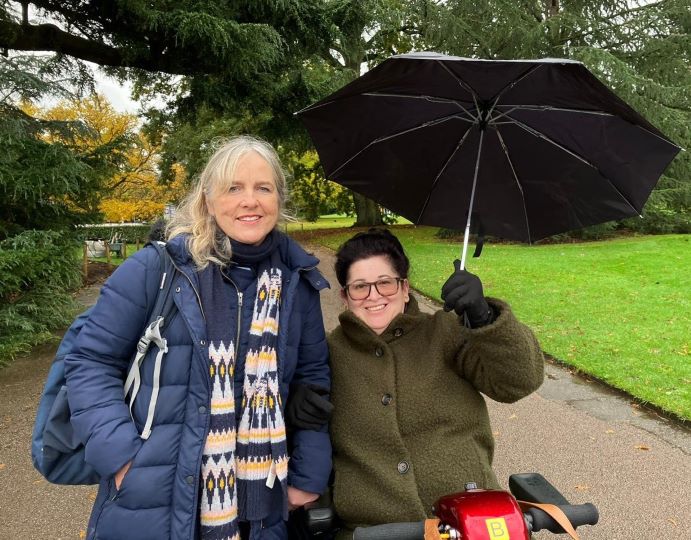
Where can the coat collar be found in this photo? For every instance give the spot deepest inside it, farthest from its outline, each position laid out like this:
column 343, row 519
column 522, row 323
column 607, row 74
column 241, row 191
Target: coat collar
column 292, row 254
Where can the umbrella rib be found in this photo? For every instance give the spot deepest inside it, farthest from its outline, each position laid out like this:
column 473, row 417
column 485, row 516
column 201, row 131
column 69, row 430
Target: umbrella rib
column 540, row 135
column 550, row 108
column 518, row 183
column 496, row 99
column 462, row 83
column 576, row 111
column 441, row 171
column 431, row 99
column 398, row 134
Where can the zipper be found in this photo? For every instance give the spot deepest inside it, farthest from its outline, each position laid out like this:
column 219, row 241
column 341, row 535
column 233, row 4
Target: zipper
column 196, row 293
column 237, row 335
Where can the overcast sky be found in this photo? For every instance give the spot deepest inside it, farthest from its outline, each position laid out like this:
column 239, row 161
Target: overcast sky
column 116, row 94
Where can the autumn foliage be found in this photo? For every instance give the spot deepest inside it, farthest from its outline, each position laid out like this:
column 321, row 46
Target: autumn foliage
column 133, row 191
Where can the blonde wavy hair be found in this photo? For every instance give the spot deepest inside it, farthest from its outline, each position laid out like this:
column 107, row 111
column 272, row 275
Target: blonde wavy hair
column 206, row 241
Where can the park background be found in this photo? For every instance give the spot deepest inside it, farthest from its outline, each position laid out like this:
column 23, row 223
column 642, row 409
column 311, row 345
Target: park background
column 613, row 301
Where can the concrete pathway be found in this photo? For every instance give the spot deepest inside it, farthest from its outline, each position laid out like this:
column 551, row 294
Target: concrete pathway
column 591, row 443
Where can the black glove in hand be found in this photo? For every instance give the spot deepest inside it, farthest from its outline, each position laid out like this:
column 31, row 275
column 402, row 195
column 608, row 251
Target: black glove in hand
column 463, row 293
column 307, row 407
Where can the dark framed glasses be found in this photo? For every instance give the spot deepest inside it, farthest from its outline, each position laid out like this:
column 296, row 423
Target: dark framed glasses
column 359, row 290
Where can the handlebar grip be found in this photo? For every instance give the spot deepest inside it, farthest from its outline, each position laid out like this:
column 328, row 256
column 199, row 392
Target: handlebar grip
column 391, row 531
column 578, row 514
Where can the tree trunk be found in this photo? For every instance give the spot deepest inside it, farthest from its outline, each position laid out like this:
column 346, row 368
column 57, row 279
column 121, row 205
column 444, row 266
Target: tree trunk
column 367, row 212
column 552, row 8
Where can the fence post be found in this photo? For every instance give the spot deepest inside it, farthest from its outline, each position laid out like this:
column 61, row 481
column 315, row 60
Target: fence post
column 86, row 261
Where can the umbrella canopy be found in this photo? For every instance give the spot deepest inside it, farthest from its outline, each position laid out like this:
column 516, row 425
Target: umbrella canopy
column 527, row 148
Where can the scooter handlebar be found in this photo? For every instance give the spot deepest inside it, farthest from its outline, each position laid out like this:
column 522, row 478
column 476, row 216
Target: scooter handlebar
column 391, row 531
column 578, row 514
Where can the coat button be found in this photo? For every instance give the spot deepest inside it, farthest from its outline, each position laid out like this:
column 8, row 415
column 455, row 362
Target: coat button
column 403, row 467
column 190, row 479
column 202, row 342
column 379, row 352
column 202, row 409
column 386, row 399
column 177, row 289
column 398, row 332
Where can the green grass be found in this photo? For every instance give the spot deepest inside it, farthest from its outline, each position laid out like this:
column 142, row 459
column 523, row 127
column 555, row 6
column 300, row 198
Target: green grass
column 332, row 221
column 619, row 310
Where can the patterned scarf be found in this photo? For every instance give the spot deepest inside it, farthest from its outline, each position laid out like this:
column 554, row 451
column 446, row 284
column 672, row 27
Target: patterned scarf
column 244, row 453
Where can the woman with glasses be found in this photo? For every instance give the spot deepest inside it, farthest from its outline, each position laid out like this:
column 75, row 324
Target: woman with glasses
column 410, row 423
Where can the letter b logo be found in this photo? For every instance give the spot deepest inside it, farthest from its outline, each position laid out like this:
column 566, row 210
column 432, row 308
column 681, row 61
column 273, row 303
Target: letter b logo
column 497, row 529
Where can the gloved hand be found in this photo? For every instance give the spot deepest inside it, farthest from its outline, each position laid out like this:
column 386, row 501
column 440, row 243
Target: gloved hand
column 463, row 293
column 307, row 408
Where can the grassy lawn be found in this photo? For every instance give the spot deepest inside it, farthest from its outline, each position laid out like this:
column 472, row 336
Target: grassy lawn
column 619, row 310
column 333, row 221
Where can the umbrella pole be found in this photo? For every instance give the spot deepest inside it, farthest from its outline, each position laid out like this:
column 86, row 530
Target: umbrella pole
column 472, row 200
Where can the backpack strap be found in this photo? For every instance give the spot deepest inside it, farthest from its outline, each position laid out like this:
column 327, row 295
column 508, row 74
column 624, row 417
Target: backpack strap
column 158, row 316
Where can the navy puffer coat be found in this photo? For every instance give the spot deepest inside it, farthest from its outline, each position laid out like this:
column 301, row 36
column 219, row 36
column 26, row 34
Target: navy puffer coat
column 158, row 498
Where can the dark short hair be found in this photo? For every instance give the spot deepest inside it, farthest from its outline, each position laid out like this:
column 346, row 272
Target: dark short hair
column 370, row 244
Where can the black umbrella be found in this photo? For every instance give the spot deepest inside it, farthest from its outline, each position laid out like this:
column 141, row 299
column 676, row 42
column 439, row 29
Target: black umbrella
column 520, row 149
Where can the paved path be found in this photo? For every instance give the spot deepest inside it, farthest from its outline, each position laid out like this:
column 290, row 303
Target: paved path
column 594, row 445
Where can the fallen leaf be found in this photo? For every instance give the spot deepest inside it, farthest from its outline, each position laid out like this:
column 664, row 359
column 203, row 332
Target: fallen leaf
column 582, row 487
column 642, row 447
column 2, row 466
column 82, row 534
column 512, row 417
column 609, row 431
column 92, row 496
column 673, row 521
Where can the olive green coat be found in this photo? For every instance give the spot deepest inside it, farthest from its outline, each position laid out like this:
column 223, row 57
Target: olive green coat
column 409, row 422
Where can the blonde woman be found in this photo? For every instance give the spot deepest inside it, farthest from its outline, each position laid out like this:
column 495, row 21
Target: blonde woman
column 248, row 325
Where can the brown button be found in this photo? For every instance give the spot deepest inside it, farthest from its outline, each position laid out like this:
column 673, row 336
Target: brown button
column 386, row 399
column 379, row 352
column 403, row 467
column 398, row 332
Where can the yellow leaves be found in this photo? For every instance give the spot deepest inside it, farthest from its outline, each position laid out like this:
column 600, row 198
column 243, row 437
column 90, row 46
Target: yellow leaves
column 117, row 210
column 104, row 122
column 82, row 534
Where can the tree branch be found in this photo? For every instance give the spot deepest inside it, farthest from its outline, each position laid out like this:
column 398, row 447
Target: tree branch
column 48, row 37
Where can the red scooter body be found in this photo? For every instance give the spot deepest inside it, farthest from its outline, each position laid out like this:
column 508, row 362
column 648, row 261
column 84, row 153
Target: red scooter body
column 483, row 514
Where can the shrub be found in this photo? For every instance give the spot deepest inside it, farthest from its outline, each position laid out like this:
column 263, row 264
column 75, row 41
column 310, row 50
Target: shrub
column 127, row 233
column 38, row 271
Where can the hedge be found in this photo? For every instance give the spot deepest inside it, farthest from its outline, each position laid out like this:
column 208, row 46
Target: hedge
column 38, row 271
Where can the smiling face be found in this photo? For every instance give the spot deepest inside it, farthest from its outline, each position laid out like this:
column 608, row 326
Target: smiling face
column 376, row 311
column 248, row 211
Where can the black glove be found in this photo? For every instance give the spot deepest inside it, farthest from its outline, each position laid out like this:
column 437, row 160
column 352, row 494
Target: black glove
column 462, row 292
column 307, row 407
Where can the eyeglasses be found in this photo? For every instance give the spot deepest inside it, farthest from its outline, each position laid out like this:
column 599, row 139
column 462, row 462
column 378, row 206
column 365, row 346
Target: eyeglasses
column 360, row 290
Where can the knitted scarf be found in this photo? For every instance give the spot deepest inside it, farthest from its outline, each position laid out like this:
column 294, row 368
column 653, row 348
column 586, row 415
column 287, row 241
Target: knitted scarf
column 245, row 451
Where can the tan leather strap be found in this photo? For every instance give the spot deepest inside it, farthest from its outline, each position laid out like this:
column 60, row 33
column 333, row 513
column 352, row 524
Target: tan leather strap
column 556, row 513
column 432, row 529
